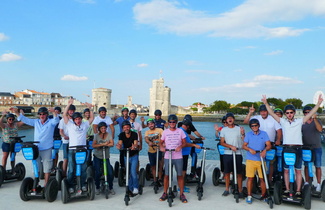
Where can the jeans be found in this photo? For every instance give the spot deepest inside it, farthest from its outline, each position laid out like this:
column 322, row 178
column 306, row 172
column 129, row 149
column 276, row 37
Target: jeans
column 98, row 165
column 72, row 170
column 133, row 178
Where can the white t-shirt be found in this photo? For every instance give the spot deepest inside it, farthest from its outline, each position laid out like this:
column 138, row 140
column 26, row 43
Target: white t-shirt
column 269, row 125
column 292, row 133
column 232, row 137
column 62, row 126
column 107, row 120
column 77, row 134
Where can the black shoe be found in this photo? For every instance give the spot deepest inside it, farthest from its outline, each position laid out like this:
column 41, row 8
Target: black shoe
column 225, row 193
column 241, row 195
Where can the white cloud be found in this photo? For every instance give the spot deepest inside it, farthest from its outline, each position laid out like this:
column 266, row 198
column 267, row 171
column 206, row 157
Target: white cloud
column 142, row 65
column 248, row 20
column 322, row 70
column 257, row 82
column 3, row 37
column 70, row 77
column 276, row 52
column 202, row 71
column 9, row 57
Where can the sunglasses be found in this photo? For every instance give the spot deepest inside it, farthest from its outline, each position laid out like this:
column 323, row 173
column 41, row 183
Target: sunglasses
column 224, row 122
column 254, row 126
column 42, row 114
column 306, row 112
column 171, row 121
column 10, row 119
column 289, row 112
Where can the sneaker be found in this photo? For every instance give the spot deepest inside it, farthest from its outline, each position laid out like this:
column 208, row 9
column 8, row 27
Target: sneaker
column 163, row 197
column 84, row 189
column 97, row 191
column 225, row 193
column 241, row 195
column 286, row 192
column 263, row 198
column 183, row 198
column 298, row 193
column 71, row 190
column 112, row 192
column 249, row 199
column 135, row 191
column 152, row 184
column 318, row 187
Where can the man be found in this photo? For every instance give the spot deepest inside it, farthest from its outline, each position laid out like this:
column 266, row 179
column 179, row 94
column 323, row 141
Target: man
column 278, row 112
column 121, row 119
column 292, row 136
column 270, row 126
column 255, row 140
column 311, row 137
column 173, row 138
column 77, row 130
column 65, row 138
column 136, row 127
column 159, row 122
column 232, row 137
column 43, row 132
column 152, row 138
column 103, row 118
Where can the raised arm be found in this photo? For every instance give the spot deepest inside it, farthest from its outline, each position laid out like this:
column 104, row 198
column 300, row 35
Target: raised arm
column 269, row 109
column 249, row 115
column 91, row 118
column 314, row 110
column 2, row 125
column 65, row 111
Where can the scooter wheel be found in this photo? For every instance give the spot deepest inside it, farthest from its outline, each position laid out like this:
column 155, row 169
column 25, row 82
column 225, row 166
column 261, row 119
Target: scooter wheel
column 156, row 188
column 51, row 190
column 270, row 202
column 25, row 187
column 20, row 169
column 215, row 176
column 142, row 177
column 323, row 191
column 236, row 197
column 140, row 189
column 116, row 169
column 2, row 174
column 126, row 200
column 199, row 195
column 106, row 192
column 121, row 178
column 148, row 172
column 91, row 188
column 170, row 202
column 64, row 191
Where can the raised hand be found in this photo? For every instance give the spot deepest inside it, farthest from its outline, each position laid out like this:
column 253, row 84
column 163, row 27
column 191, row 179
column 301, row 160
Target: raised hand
column 252, row 109
column 264, row 100
column 70, row 101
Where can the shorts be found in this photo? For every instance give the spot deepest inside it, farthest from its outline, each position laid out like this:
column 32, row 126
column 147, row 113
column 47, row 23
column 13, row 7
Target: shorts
column 185, row 162
column 5, row 147
column 153, row 158
column 229, row 165
column 45, row 157
column 298, row 162
column 252, row 166
column 65, row 148
column 317, row 153
column 178, row 163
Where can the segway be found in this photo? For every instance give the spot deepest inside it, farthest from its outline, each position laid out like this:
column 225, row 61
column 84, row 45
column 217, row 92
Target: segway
column 235, row 183
column 128, row 193
column 57, row 171
column 90, row 169
column 216, row 174
column 172, row 191
column 18, row 171
column 30, row 188
column 289, row 155
column 199, row 188
column 308, row 157
column 279, row 172
column 80, row 156
column 156, row 184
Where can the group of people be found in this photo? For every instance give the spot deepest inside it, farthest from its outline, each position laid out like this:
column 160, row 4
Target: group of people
column 268, row 128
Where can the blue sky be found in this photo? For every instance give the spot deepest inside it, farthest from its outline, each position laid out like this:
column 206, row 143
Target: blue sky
column 207, row 50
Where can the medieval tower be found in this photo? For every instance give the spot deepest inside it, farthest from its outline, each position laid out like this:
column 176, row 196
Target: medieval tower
column 101, row 97
column 159, row 97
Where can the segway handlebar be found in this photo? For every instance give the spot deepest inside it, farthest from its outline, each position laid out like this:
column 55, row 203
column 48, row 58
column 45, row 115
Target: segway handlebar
column 207, row 148
column 17, row 137
column 167, row 150
column 79, row 146
column 28, row 143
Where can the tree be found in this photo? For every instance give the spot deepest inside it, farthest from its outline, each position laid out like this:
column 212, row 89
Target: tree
column 319, row 110
column 295, row 101
column 219, row 105
column 248, row 104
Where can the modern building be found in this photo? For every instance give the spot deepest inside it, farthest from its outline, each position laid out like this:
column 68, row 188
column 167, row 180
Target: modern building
column 159, row 97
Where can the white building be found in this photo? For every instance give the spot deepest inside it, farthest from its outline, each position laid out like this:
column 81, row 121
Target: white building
column 159, row 97
column 101, row 97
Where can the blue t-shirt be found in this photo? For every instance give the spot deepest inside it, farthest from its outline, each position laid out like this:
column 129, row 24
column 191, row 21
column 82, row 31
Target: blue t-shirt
column 186, row 150
column 256, row 142
column 120, row 120
column 160, row 123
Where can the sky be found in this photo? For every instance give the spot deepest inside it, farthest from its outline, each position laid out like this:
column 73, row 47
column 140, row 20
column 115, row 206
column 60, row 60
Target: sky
column 205, row 50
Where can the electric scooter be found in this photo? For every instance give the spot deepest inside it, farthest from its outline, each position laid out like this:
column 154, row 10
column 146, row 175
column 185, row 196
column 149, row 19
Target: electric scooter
column 199, row 188
column 30, row 188
column 289, row 155
column 172, row 191
column 156, row 183
column 104, row 182
column 80, row 156
column 194, row 176
column 18, row 171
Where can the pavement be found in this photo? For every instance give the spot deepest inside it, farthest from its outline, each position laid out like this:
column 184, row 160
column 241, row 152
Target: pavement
column 212, row 196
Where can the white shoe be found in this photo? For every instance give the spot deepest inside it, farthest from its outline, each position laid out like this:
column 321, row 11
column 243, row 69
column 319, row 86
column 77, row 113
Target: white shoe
column 318, row 188
column 135, row 191
column 71, row 190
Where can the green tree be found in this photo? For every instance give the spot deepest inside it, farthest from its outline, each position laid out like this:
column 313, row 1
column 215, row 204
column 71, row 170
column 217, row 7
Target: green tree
column 295, row 101
column 219, row 105
column 319, row 110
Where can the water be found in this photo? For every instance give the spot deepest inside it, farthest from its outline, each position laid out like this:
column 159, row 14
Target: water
column 205, row 128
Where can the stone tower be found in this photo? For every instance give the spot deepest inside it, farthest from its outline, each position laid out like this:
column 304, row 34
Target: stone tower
column 101, row 97
column 159, row 97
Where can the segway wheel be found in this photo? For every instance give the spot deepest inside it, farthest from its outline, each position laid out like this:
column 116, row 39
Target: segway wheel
column 307, row 196
column 216, row 176
column 2, row 174
column 25, row 187
column 51, row 190
column 60, row 166
column 116, row 169
column 91, row 188
column 64, row 191
column 277, row 193
column 126, row 200
column 140, row 189
column 58, row 177
column 121, row 177
column 323, row 191
column 20, row 169
column 112, row 170
column 142, row 177
column 41, row 171
column 148, row 172
column 90, row 171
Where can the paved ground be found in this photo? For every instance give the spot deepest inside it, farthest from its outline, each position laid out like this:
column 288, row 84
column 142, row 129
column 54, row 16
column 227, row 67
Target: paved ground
column 212, row 199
